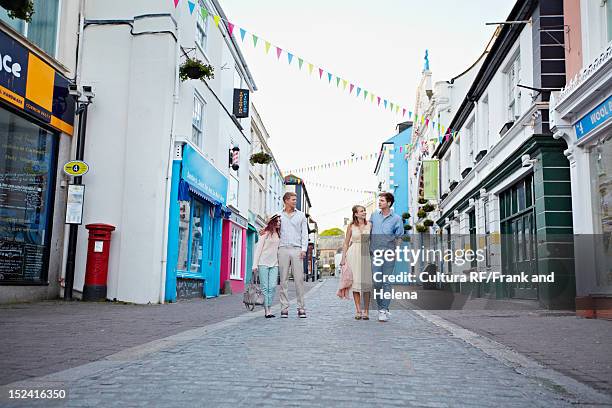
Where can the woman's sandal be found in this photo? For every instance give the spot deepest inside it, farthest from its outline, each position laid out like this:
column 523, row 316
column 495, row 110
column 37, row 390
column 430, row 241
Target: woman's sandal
column 357, row 316
column 365, row 317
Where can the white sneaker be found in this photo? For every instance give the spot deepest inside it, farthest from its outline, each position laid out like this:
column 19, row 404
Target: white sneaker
column 382, row 316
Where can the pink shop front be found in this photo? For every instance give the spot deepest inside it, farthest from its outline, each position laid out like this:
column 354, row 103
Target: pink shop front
column 233, row 253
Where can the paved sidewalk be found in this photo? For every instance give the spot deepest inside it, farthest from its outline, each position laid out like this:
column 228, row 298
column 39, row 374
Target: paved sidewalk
column 578, row 347
column 329, row 359
column 45, row 337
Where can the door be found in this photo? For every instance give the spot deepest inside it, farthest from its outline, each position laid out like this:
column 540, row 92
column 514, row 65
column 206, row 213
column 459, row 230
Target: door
column 208, row 242
column 518, row 238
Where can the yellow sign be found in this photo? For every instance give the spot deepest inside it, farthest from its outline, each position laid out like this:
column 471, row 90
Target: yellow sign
column 76, row 168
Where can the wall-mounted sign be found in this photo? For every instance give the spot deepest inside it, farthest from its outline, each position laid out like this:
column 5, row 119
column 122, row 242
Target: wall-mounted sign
column 595, row 118
column 241, row 103
column 234, row 158
column 32, row 85
column 430, row 179
column 74, row 204
column 76, row 168
column 203, row 176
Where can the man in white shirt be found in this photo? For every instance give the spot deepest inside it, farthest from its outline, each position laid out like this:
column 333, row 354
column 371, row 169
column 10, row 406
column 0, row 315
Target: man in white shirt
column 291, row 253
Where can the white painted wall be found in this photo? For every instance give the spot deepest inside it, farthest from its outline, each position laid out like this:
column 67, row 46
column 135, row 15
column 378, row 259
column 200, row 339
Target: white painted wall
column 594, row 29
column 498, row 115
column 129, row 133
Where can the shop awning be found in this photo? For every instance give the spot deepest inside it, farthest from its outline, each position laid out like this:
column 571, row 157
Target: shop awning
column 222, row 211
column 252, row 228
column 185, row 189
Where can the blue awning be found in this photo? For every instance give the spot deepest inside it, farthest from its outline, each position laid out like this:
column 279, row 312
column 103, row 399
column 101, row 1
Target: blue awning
column 226, row 212
column 186, row 190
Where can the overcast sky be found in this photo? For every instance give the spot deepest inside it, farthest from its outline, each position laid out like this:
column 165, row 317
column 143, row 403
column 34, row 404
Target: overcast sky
column 376, row 45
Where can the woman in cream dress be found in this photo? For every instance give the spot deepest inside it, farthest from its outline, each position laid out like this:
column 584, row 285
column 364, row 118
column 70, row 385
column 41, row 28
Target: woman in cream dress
column 356, row 252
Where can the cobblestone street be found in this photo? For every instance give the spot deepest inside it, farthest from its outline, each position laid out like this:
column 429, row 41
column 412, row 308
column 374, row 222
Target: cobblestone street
column 329, row 359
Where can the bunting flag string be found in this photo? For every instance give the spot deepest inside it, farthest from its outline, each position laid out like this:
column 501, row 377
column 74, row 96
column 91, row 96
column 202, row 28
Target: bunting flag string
column 401, row 149
column 310, row 183
column 445, row 133
column 333, row 164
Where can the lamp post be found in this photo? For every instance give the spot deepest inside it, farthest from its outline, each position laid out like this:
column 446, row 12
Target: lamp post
column 83, row 99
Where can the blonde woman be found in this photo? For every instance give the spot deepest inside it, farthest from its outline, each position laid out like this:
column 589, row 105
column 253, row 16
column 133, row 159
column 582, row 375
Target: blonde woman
column 356, row 253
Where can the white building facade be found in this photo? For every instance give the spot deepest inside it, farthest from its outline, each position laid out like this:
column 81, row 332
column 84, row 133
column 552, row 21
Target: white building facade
column 504, row 180
column 159, row 150
column 581, row 115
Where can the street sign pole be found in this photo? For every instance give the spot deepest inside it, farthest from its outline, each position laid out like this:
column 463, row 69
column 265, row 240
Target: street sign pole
column 74, row 228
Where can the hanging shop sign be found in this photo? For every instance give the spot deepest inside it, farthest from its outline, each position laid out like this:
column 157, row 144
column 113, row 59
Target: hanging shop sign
column 595, row 118
column 76, row 168
column 35, row 87
column 430, row 179
column 241, row 103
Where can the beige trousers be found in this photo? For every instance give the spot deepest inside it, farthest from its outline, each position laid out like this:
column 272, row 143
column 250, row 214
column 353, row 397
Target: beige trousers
column 289, row 258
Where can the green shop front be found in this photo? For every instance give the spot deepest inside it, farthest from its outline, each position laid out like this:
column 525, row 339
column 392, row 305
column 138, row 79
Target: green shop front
column 520, row 214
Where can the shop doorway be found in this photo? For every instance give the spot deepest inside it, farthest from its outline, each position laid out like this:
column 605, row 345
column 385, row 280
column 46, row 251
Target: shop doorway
column 518, row 228
column 196, row 243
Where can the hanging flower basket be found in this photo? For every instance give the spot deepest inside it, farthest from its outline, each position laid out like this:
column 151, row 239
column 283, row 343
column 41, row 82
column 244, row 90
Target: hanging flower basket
column 421, row 213
column 428, row 208
column 421, row 228
column 21, row 9
column 422, row 200
column 195, row 69
column 260, row 158
column 428, row 223
column 405, row 216
column 407, row 227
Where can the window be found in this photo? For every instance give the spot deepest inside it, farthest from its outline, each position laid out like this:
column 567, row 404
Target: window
column 446, row 173
column 183, row 239
column 28, row 157
column 469, row 143
column 43, row 28
column 201, row 32
column 232, row 195
column 196, row 122
column 512, row 90
column 472, row 232
column 196, row 238
column 485, row 143
column 238, row 81
column 609, row 17
column 600, row 158
column 236, row 258
column 487, row 232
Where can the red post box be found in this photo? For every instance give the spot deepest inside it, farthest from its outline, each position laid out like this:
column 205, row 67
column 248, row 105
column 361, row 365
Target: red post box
column 98, row 251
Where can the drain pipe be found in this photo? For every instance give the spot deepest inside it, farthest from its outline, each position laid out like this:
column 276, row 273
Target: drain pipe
column 168, row 180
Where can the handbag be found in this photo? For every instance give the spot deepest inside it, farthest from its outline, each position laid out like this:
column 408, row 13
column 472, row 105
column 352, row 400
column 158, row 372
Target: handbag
column 346, row 281
column 253, row 296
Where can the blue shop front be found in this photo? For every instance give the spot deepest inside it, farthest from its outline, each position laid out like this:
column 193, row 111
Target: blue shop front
column 198, row 196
